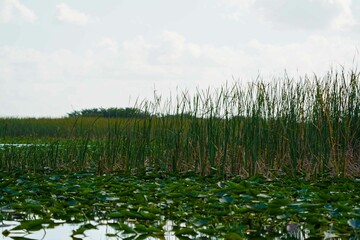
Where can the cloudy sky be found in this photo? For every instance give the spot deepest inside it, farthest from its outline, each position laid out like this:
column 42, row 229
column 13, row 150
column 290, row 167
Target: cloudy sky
column 60, row 56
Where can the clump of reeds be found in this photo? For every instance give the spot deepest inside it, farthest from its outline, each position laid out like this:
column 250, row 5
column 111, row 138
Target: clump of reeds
column 308, row 126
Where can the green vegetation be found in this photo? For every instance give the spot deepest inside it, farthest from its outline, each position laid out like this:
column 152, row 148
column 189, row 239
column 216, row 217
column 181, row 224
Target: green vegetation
column 310, row 127
column 256, row 208
column 109, row 113
column 264, row 160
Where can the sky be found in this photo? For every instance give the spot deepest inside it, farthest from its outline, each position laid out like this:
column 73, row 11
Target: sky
column 61, row 56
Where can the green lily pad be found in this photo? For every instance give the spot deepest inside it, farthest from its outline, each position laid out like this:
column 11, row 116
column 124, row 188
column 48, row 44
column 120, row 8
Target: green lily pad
column 72, row 203
column 354, row 223
column 141, row 228
column 185, row 231
column 227, row 199
column 30, row 225
column 262, row 195
column 126, row 228
column 233, row 236
column 6, row 233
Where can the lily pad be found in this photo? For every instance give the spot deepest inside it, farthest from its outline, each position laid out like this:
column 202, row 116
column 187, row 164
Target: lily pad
column 354, row 223
column 30, row 225
column 227, row 199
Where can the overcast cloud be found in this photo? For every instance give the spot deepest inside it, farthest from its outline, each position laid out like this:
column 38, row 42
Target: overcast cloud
column 13, row 10
column 67, row 14
column 59, row 56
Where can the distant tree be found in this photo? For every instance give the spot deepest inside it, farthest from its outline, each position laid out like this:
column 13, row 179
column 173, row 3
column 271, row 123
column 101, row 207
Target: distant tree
column 110, row 113
column 179, row 115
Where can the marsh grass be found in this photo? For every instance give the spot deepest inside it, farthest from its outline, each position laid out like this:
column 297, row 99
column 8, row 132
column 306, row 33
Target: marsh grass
column 308, row 126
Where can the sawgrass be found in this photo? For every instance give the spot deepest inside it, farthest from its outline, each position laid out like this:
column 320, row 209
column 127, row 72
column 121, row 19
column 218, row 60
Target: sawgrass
column 307, row 126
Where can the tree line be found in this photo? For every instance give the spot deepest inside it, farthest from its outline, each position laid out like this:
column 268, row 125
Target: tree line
column 110, row 113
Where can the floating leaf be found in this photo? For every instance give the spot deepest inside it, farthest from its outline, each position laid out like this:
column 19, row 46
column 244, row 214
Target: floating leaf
column 354, row 223
column 6, row 233
column 72, row 203
column 127, row 229
column 61, row 197
column 311, row 205
column 152, row 229
column 111, row 235
column 276, row 203
column 30, row 225
column 233, row 236
column 208, row 231
column 227, row 199
column 83, row 228
column 79, row 230
column 202, row 222
column 175, row 195
column 262, row 195
column 116, row 215
column 147, row 215
column 259, row 206
column 141, row 228
column 246, row 197
column 10, row 191
column 111, row 198
column 54, row 178
column 185, row 231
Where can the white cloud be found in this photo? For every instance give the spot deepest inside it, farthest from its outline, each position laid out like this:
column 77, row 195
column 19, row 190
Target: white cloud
column 314, row 55
column 243, row 4
column 172, row 56
column 99, row 77
column 236, row 8
column 69, row 15
column 305, row 14
column 172, row 47
column 345, row 17
column 13, row 10
column 109, row 44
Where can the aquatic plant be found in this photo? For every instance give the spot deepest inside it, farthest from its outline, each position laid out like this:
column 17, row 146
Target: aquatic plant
column 308, row 126
column 185, row 205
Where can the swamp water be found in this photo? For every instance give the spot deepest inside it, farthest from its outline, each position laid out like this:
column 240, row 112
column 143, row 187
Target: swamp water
column 176, row 207
column 98, row 231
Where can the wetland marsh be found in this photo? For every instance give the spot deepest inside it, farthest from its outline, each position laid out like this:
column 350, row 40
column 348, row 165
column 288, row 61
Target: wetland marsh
column 275, row 160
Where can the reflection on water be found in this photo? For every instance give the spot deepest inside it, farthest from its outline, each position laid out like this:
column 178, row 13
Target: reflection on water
column 65, row 231
column 21, row 145
column 102, row 231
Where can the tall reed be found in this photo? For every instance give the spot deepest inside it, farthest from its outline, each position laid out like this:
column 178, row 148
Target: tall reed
column 308, row 126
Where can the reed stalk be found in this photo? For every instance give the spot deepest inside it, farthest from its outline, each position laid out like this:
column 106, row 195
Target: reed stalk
column 308, row 126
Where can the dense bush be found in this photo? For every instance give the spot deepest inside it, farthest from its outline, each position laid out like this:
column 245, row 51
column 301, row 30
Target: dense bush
column 110, row 113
